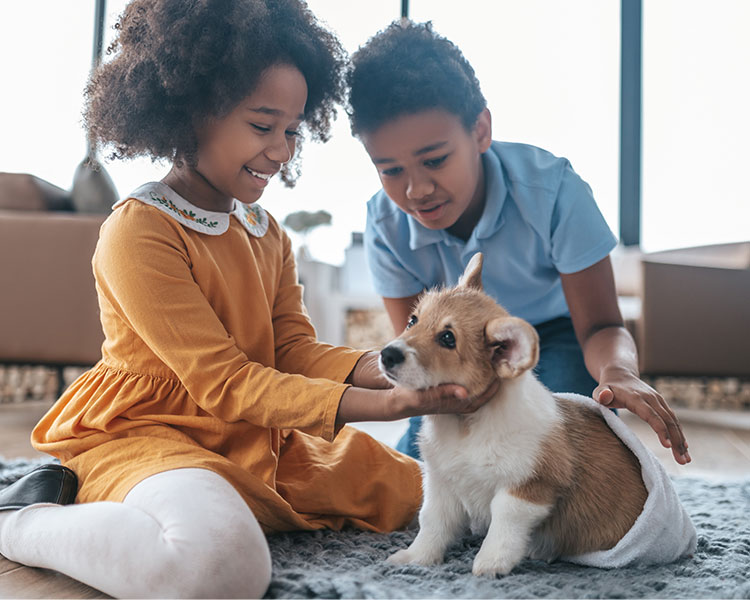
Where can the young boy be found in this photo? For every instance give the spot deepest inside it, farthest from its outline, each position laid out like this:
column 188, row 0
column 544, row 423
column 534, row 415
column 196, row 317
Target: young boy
column 449, row 191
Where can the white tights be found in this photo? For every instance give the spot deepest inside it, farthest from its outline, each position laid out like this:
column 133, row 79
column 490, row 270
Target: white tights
column 184, row 533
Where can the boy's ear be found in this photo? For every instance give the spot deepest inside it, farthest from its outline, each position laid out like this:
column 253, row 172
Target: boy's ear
column 483, row 130
column 472, row 275
column 514, row 345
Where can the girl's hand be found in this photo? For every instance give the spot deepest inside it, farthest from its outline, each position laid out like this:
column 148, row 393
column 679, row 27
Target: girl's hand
column 359, row 404
column 367, row 374
column 622, row 389
column 441, row 399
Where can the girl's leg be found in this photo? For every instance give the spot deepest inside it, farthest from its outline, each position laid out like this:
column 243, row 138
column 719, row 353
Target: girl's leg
column 183, row 533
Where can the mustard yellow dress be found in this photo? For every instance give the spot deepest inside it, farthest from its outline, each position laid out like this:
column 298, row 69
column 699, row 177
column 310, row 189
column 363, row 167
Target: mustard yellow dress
column 210, row 361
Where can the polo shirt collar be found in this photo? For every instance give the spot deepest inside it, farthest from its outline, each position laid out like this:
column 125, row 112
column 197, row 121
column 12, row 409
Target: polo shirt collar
column 159, row 195
column 490, row 221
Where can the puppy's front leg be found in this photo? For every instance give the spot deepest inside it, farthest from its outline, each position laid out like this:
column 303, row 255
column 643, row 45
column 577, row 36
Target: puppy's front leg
column 507, row 540
column 441, row 520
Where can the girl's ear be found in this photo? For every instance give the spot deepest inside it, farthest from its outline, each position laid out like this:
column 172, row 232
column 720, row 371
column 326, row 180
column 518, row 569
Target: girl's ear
column 483, row 130
column 514, row 345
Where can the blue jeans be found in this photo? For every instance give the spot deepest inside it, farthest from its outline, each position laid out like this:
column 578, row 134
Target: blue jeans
column 560, row 368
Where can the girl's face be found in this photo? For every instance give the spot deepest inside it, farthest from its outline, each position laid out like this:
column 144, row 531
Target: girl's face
column 431, row 167
column 239, row 153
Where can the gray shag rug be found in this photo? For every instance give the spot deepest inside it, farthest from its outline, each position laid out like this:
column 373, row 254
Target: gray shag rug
column 351, row 564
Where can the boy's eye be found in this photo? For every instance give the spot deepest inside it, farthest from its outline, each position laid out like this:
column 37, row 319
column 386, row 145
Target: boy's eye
column 412, row 321
column 261, row 128
column 433, row 163
column 447, row 340
column 293, row 133
column 392, row 172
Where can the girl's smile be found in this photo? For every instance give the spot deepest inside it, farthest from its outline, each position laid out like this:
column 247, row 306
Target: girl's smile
column 262, row 176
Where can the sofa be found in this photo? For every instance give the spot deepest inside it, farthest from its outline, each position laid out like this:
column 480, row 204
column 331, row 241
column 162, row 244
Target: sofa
column 48, row 308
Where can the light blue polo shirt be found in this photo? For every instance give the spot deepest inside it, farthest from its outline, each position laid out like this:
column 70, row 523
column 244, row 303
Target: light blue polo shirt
column 540, row 219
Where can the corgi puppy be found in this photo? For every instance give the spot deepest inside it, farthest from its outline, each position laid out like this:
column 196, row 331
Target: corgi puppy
column 541, row 476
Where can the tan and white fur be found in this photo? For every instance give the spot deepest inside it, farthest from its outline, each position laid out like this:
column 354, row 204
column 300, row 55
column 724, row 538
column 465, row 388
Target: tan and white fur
column 540, row 476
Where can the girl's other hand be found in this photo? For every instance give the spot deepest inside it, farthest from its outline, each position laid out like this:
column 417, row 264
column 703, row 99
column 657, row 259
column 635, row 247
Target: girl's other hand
column 367, row 374
column 620, row 389
column 359, row 404
column 442, row 399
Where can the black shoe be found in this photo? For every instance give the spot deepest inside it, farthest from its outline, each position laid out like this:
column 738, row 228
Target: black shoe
column 48, row 483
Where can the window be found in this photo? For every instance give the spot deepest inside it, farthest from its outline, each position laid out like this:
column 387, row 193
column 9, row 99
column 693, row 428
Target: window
column 696, row 123
column 551, row 74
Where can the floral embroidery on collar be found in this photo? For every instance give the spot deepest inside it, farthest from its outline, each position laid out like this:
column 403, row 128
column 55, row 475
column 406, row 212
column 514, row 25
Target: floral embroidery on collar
column 252, row 217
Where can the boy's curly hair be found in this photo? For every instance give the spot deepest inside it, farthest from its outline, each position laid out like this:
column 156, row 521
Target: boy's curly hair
column 408, row 68
column 177, row 63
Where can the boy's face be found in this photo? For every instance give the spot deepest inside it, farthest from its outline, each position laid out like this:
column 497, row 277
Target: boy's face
column 431, row 167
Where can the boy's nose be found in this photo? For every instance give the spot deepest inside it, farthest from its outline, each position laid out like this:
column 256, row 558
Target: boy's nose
column 419, row 187
column 391, row 356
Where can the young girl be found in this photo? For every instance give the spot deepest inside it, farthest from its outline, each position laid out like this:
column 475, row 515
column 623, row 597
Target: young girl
column 214, row 415
column 450, row 191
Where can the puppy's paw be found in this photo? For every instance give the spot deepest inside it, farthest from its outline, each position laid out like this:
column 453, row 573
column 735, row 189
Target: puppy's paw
column 408, row 556
column 491, row 564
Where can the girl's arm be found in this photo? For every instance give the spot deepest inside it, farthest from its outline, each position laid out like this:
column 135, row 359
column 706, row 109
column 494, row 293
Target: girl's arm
column 611, row 356
column 146, row 285
column 297, row 349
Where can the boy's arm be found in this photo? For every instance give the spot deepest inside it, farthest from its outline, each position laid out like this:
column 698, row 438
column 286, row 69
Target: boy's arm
column 399, row 310
column 611, row 356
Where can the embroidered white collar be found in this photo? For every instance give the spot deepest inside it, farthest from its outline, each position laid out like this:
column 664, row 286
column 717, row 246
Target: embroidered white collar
column 157, row 194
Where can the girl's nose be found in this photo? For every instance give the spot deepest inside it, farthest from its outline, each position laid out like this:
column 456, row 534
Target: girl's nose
column 418, row 187
column 280, row 149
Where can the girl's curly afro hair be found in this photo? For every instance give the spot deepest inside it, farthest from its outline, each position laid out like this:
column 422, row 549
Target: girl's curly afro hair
column 177, row 63
column 408, row 68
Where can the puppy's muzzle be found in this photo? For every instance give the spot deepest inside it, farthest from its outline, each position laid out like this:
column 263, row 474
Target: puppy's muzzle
column 391, row 357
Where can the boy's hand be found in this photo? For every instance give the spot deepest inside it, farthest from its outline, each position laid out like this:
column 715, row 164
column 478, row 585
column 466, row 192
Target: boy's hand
column 624, row 390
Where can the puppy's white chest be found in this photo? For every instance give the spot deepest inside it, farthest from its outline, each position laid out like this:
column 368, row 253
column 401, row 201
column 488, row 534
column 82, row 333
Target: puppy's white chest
column 476, row 461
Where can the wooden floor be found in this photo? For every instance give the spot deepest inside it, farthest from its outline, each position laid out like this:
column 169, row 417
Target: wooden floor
column 719, row 445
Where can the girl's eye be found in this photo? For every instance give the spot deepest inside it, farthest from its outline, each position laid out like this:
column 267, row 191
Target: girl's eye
column 293, row 133
column 433, row 163
column 412, row 321
column 392, row 172
column 261, row 128
column 447, row 340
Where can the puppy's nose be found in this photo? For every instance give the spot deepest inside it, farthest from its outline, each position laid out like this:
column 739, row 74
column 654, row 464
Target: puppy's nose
column 390, row 356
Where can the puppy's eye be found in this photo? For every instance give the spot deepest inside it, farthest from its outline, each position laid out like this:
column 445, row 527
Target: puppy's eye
column 447, row 340
column 412, row 321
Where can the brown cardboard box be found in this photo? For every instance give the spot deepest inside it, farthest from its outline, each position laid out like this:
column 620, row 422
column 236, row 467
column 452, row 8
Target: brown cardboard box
column 696, row 311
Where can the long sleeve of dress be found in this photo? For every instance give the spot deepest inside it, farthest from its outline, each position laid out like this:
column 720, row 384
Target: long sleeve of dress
column 173, row 290
column 297, row 348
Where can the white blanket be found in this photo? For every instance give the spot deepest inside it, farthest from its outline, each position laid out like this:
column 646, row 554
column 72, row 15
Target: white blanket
column 663, row 532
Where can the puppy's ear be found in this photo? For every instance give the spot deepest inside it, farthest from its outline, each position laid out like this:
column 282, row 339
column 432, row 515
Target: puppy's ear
column 514, row 344
column 472, row 275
